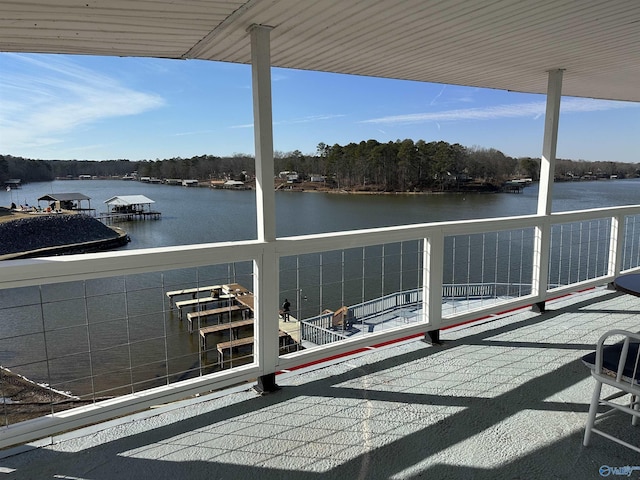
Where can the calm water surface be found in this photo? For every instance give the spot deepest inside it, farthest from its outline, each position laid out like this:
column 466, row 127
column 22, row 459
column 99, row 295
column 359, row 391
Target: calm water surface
column 199, row 215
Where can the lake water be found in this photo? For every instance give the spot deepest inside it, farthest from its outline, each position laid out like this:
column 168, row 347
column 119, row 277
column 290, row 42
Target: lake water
column 199, row 215
column 103, row 336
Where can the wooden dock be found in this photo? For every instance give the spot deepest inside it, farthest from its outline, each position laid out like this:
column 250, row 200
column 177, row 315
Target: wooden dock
column 219, row 313
column 231, row 327
column 108, row 218
column 223, row 301
column 242, row 342
column 213, row 289
column 227, row 312
column 195, row 302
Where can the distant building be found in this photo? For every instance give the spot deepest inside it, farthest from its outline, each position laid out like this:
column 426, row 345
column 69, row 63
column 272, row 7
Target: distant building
column 234, row 184
column 13, row 183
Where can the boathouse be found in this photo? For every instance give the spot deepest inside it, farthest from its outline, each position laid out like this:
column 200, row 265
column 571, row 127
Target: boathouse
column 66, row 201
column 12, row 183
column 130, row 207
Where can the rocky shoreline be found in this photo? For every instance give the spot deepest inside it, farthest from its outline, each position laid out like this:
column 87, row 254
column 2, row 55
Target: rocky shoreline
column 26, row 236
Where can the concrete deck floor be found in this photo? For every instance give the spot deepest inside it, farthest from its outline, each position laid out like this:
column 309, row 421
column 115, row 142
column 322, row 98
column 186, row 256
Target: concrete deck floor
column 504, row 399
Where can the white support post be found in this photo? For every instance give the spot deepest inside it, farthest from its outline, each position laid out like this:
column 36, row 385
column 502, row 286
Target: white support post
column 541, row 253
column 266, row 282
column 263, row 131
column 433, row 266
column 616, row 245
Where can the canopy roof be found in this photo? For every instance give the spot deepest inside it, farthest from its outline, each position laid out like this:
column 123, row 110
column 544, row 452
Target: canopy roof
column 504, row 44
column 63, row 197
column 129, row 200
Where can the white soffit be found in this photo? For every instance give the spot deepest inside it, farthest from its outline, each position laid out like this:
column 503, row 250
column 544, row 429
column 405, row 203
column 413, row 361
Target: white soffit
column 503, row 44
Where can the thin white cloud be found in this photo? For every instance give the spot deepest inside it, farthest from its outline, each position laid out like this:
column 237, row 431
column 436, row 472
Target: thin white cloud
column 44, row 99
column 309, row 119
column 197, row 132
column 433, row 101
column 520, row 110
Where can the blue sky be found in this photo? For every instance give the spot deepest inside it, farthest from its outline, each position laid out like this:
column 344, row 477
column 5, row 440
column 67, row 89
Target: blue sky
column 97, row 108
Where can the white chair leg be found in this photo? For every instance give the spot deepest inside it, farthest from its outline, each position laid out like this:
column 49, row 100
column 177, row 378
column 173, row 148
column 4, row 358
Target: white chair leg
column 635, row 404
column 593, row 410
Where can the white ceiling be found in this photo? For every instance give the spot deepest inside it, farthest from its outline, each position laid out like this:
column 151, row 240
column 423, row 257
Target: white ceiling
column 504, row 44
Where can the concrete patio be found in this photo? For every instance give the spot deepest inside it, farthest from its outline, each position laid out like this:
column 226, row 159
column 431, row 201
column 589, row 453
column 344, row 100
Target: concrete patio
column 504, row 398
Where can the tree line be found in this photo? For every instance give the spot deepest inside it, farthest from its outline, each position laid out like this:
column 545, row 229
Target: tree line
column 403, row 165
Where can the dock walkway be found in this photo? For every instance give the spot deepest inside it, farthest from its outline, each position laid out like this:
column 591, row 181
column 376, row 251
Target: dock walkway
column 127, row 217
column 231, row 327
column 222, row 301
column 223, row 347
column 192, row 291
column 219, row 313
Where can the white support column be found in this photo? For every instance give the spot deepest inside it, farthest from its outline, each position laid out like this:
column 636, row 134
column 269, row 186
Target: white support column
column 433, row 266
column 616, row 245
column 266, row 282
column 263, row 131
column 550, row 142
column 542, row 244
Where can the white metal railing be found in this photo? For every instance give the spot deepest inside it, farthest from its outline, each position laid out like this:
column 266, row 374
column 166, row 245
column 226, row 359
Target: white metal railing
column 607, row 239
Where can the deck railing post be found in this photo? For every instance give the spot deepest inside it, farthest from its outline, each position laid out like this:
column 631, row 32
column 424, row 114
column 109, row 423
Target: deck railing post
column 433, row 266
column 266, row 283
column 542, row 243
column 616, row 245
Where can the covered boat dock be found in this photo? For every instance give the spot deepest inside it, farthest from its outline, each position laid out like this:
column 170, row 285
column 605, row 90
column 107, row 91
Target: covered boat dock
column 66, row 201
column 129, row 207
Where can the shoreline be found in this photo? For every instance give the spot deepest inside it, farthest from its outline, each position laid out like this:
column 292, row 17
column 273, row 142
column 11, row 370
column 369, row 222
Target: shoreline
column 54, row 241
column 23, row 399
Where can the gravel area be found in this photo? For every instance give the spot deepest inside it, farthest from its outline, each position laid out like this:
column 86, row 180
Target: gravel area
column 41, row 231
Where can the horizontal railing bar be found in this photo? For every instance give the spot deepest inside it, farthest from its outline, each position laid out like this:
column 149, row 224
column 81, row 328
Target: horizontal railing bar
column 594, row 213
column 47, row 270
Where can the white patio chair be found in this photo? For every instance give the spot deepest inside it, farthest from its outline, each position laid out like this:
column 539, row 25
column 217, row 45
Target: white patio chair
column 617, row 365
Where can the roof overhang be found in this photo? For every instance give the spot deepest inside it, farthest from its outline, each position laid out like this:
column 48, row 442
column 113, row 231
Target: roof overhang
column 128, row 200
column 63, row 197
column 501, row 44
